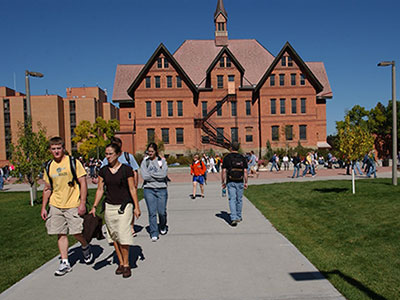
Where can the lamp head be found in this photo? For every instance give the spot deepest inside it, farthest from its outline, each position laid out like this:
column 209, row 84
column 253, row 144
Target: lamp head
column 33, row 74
column 386, row 63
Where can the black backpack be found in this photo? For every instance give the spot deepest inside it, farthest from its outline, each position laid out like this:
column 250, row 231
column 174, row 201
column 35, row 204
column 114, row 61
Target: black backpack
column 236, row 170
column 72, row 165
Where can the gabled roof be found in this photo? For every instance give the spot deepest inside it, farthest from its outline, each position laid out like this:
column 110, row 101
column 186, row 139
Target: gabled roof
column 124, row 76
column 195, row 56
column 319, row 71
column 226, row 51
column 172, row 61
column 297, row 59
column 220, row 10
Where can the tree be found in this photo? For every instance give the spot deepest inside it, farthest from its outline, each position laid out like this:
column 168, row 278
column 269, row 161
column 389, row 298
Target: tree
column 91, row 137
column 354, row 142
column 29, row 154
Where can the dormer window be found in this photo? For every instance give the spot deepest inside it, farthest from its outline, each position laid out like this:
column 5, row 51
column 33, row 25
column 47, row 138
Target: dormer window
column 222, row 62
column 289, row 62
column 228, row 62
column 166, row 65
column 159, row 63
column 283, row 61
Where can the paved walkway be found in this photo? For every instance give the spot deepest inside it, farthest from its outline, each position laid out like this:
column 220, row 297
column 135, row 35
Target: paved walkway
column 201, row 257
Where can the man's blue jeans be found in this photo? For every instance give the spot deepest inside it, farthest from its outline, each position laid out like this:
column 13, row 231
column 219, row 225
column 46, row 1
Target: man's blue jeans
column 356, row 167
column 274, row 165
column 296, row 170
column 156, row 201
column 235, row 193
column 1, row 182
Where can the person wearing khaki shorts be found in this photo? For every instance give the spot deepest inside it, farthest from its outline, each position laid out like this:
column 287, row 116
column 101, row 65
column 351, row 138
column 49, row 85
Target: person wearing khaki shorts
column 66, row 195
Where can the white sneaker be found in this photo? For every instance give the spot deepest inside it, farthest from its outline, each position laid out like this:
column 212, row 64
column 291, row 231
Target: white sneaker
column 154, row 239
column 63, row 269
column 163, row 231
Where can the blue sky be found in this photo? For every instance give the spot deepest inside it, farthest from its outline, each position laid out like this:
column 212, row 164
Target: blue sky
column 79, row 43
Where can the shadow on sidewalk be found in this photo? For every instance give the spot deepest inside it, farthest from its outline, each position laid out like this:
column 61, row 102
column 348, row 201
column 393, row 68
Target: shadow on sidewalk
column 75, row 254
column 224, row 216
column 135, row 253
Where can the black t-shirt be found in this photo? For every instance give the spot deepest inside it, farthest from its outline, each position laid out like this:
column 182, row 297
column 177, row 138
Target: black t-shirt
column 117, row 189
column 227, row 164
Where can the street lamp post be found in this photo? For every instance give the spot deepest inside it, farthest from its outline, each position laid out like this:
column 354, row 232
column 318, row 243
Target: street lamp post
column 33, row 190
column 394, row 107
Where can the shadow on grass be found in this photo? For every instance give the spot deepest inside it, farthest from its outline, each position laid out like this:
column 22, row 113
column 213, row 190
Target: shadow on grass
column 224, row 216
column 331, row 190
column 368, row 292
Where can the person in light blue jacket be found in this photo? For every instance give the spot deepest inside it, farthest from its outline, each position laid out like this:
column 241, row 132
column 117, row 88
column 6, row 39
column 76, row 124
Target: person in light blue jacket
column 154, row 171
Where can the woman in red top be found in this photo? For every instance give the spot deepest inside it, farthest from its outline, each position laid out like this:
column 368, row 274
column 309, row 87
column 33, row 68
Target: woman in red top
column 197, row 170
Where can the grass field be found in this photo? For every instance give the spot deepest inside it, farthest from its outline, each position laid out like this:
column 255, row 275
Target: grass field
column 354, row 240
column 24, row 243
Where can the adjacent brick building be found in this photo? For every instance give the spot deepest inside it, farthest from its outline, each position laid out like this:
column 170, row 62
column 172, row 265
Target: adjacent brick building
column 211, row 92
column 58, row 115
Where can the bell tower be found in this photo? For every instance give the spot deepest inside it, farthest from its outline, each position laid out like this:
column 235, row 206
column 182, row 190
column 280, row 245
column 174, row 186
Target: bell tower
column 220, row 20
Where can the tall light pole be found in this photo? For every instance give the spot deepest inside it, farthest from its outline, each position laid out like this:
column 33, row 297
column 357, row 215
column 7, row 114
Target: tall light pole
column 394, row 107
column 33, row 191
column 28, row 92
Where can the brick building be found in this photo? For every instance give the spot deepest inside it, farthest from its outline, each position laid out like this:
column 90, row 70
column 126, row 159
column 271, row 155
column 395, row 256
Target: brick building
column 58, row 115
column 212, row 92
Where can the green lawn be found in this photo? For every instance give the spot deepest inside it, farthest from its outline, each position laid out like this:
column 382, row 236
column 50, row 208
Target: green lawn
column 354, row 240
column 24, row 243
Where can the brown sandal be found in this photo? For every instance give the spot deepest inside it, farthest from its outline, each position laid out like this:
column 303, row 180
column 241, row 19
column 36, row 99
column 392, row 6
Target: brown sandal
column 119, row 270
column 127, row 272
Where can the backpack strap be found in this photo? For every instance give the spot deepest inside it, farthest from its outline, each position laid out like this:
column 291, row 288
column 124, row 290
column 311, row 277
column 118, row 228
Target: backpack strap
column 128, row 159
column 72, row 164
column 47, row 168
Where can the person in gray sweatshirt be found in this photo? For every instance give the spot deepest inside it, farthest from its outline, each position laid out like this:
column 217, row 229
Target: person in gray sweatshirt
column 154, row 171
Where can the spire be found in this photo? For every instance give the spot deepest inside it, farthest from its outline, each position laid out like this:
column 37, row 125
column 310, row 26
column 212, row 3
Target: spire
column 220, row 20
column 220, row 9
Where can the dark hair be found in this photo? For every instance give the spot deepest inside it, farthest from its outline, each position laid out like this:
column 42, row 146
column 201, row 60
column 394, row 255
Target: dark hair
column 116, row 147
column 154, row 146
column 115, row 140
column 56, row 140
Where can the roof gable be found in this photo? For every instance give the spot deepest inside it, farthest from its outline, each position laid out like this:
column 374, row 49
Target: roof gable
column 172, row 61
column 220, row 10
column 226, row 51
column 299, row 61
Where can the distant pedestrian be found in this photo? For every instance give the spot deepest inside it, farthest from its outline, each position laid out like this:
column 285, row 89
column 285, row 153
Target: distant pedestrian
column 274, row 160
column 296, row 166
column 252, row 164
column 197, row 170
column 234, row 178
column 285, row 161
column 1, row 179
column 67, row 202
column 154, row 171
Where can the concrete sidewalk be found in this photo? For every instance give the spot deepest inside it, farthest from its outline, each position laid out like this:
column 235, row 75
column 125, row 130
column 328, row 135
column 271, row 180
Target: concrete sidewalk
column 201, row 257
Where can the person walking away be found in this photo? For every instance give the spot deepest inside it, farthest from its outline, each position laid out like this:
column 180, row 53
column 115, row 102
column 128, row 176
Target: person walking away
column 274, row 164
column 234, row 178
column 154, row 172
column 121, row 203
column 296, row 165
column 197, row 170
column 218, row 163
column 356, row 167
column 252, row 164
column 66, row 188
column 308, row 162
column 212, row 165
column 372, row 163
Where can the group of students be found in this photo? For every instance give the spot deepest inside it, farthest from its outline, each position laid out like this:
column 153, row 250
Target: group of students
column 66, row 190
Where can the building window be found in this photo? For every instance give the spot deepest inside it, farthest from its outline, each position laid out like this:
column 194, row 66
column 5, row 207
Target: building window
column 248, row 107
column 222, row 62
column 165, row 135
column 178, row 82
column 7, row 127
column 72, row 106
column 180, row 108
column 220, row 81
column 281, row 79
column 293, row 79
column 158, row 108
column 303, row 105
column 234, row 134
column 228, row 62
column 234, row 108
column 275, row 133
column 289, row 132
column 303, row 132
column 150, row 135
column 302, row 79
column 219, row 108
column 159, row 62
column 179, row 135
column 273, row 106
column 220, row 135
column 148, row 108
column 158, row 84
column 170, row 108
column 249, row 134
column 231, row 78
column 169, row 81
column 25, row 110
column 294, row 106
column 204, row 108
column 129, row 115
column 148, row 82
column 289, row 62
column 166, row 64
column 283, row 61
column 272, row 80
column 283, row 106
column 221, row 26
